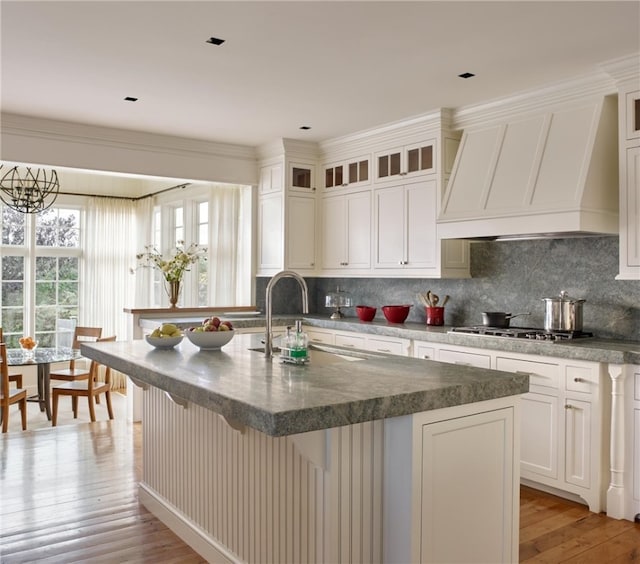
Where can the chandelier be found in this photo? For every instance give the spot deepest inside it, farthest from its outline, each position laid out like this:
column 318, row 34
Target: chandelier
column 31, row 190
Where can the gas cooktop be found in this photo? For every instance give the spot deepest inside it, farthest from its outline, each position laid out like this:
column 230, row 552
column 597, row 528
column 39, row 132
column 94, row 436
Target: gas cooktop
column 522, row 333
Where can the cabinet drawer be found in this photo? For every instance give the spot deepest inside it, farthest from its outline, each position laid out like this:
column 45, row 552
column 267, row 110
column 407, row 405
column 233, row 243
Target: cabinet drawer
column 581, row 379
column 323, row 337
column 423, row 351
column 350, row 341
column 389, row 346
column 540, row 373
column 465, row 358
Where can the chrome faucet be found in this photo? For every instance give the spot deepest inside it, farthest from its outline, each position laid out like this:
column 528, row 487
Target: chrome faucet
column 268, row 338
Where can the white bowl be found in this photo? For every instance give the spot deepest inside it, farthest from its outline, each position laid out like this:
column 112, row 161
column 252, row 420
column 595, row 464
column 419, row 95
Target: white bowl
column 209, row 340
column 163, row 342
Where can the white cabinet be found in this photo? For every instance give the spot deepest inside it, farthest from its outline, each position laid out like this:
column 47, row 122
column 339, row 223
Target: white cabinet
column 286, row 233
column 301, row 177
column 352, row 340
column 388, row 345
column 454, row 355
column 350, row 173
column 362, row 341
column 271, row 178
column 405, row 238
column 423, row 350
column 405, row 161
column 322, row 336
column 346, row 232
column 631, row 114
column 630, row 215
column 564, row 424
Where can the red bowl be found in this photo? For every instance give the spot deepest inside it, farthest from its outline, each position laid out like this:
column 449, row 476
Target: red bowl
column 396, row 313
column 366, row 313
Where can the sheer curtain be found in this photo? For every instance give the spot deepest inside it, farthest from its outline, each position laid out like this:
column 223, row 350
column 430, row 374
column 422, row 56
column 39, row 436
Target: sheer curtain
column 106, row 283
column 230, row 246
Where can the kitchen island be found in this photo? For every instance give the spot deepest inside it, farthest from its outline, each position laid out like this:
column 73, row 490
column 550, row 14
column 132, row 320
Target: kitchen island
column 353, row 457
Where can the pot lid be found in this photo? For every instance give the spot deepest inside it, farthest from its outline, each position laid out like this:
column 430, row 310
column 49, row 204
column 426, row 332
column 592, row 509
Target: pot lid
column 564, row 297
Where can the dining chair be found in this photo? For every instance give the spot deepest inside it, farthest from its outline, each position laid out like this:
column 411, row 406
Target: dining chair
column 9, row 396
column 90, row 388
column 74, row 373
column 17, row 378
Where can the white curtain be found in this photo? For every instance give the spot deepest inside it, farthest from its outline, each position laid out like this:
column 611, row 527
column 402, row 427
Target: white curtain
column 230, row 248
column 144, row 221
column 107, row 286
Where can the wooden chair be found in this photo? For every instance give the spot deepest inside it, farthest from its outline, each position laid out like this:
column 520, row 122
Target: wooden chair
column 72, row 373
column 17, row 378
column 9, row 396
column 90, row 388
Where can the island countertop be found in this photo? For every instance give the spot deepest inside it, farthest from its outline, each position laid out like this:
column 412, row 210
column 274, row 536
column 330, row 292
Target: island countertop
column 282, row 399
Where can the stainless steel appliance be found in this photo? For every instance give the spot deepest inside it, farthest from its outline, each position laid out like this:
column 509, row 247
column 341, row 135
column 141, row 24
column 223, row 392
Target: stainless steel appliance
column 522, row 333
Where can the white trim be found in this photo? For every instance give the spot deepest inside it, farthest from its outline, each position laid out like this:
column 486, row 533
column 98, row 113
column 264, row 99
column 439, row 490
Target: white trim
column 188, row 531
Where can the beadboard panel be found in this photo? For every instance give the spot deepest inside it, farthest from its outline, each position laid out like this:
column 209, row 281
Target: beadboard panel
column 258, row 496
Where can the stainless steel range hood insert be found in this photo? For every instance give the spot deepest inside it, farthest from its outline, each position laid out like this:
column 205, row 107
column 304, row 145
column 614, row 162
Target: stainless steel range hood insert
column 553, row 175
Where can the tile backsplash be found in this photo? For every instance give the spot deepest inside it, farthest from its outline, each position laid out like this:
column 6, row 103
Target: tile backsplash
column 509, row 276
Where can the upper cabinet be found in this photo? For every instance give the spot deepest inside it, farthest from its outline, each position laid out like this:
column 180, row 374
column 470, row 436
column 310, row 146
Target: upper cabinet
column 302, row 177
column 405, row 161
column 271, row 178
column 632, row 115
column 349, row 173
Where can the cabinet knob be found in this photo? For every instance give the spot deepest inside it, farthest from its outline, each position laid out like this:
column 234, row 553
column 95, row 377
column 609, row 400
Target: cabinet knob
column 403, row 174
column 567, row 406
column 426, row 356
column 345, row 185
column 312, row 264
column 578, row 379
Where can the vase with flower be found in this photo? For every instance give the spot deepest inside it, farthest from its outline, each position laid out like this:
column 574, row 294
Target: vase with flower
column 174, row 267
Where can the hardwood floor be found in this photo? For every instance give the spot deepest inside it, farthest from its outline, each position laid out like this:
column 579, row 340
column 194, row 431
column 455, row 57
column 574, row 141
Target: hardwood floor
column 68, row 494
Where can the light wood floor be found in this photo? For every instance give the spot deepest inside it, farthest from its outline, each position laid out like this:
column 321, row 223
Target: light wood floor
column 68, row 494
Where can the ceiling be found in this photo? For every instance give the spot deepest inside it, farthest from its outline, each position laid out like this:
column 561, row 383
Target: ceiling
column 337, row 67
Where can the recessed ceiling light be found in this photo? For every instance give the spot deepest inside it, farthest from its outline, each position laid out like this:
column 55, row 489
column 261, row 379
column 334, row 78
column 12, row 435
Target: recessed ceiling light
column 130, row 99
column 466, row 75
column 215, row 41
column 305, row 127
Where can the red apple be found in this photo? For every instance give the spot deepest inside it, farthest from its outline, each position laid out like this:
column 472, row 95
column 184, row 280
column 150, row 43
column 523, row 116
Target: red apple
column 227, row 324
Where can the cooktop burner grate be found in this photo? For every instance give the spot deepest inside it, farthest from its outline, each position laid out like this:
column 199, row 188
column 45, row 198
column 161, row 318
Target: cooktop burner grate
column 522, row 333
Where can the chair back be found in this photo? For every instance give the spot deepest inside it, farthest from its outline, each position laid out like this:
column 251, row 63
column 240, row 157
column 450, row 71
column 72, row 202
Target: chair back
column 83, row 334
column 95, row 367
column 4, row 371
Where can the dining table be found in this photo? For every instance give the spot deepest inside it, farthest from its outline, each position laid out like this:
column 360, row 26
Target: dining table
column 42, row 358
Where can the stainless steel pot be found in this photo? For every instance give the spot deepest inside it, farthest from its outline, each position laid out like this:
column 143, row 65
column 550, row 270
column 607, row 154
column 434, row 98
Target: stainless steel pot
column 563, row 313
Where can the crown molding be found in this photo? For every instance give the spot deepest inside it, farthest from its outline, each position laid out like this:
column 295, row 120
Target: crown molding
column 571, row 91
column 73, row 132
column 623, row 69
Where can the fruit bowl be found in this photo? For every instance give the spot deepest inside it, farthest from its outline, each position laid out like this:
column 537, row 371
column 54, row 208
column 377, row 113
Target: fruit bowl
column 365, row 313
column 163, row 342
column 396, row 313
column 209, row 340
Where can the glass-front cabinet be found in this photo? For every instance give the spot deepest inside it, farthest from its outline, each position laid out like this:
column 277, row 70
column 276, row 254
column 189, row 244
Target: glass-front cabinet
column 347, row 174
column 408, row 160
column 302, row 177
column 633, row 115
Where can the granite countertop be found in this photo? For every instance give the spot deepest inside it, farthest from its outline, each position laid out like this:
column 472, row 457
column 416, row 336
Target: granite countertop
column 281, row 399
column 591, row 349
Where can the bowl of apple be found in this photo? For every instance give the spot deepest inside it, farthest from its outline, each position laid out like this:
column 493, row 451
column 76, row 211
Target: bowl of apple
column 166, row 336
column 211, row 335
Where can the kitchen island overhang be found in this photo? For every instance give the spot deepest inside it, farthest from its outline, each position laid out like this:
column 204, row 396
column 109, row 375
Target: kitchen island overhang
column 369, row 460
column 338, row 387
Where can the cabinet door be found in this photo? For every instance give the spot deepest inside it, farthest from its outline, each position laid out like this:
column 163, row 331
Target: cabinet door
column 271, row 229
column 630, row 217
column 301, row 233
column 389, row 217
column 326, row 337
column 633, row 115
column 334, row 233
column 359, row 230
column 302, row 177
column 577, row 465
column 352, row 341
column 420, row 213
column 464, row 358
column 468, row 462
column 388, row 345
column 539, row 436
column 271, row 179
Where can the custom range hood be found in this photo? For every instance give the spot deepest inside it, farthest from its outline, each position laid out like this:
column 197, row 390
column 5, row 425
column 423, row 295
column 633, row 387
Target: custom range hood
column 540, row 175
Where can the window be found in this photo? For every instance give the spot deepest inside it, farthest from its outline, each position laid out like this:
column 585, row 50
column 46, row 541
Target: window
column 40, row 273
